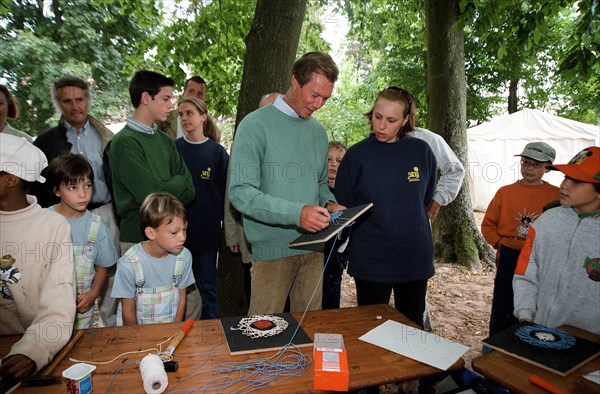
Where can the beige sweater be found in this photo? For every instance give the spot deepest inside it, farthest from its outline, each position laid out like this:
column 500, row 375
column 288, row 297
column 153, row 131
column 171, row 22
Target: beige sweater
column 43, row 305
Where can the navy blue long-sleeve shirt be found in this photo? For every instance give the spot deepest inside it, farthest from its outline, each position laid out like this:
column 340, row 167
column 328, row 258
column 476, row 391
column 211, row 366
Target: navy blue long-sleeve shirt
column 392, row 243
column 207, row 162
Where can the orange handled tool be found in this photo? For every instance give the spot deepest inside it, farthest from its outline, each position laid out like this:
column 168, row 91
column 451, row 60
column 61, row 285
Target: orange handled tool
column 179, row 337
column 538, row 381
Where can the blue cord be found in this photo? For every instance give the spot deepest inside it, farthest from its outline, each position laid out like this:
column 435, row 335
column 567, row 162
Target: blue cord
column 545, row 337
column 335, row 216
column 287, row 363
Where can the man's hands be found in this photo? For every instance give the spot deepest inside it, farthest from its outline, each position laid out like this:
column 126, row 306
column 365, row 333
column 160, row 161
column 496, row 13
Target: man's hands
column 334, row 207
column 18, row 366
column 315, row 218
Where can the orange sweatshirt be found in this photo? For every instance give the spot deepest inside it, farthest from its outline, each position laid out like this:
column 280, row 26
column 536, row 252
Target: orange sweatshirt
column 512, row 210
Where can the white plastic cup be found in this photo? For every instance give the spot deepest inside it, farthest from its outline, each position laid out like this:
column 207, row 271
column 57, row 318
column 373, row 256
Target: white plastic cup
column 79, row 378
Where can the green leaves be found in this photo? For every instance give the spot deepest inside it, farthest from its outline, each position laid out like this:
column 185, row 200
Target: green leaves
column 78, row 37
column 551, row 47
column 208, row 40
column 502, row 52
column 581, row 58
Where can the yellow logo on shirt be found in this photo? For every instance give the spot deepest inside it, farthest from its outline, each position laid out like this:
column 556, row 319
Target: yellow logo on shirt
column 205, row 174
column 413, row 176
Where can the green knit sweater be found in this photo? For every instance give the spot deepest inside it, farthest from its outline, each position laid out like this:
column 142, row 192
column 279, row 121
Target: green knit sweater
column 278, row 165
column 142, row 164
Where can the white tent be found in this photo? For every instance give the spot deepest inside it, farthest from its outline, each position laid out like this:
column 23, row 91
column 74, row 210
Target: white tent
column 492, row 146
column 116, row 127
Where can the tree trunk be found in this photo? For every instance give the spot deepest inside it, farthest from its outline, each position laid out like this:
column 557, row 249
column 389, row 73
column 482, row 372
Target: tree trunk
column 271, row 48
column 513, row 97
column 457, row 238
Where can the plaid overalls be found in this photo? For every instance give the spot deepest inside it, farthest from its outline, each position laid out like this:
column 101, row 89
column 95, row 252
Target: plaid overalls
column 85, row 256
column 154, row 304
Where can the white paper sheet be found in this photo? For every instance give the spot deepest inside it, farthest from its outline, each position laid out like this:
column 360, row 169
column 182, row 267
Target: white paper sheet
column 417, row 344
column 593, row 376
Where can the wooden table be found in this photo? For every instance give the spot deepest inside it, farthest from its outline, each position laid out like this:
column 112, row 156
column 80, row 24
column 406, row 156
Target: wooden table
column 512, row 373
column 368, row 365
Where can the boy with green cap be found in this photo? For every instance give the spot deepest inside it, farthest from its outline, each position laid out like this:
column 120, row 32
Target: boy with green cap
column 508, row 218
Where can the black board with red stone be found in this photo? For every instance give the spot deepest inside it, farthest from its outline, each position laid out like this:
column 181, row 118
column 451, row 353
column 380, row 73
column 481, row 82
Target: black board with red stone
column 240, row 343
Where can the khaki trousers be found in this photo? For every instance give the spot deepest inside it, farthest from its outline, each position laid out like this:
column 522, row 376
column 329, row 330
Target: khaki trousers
column 296, row 276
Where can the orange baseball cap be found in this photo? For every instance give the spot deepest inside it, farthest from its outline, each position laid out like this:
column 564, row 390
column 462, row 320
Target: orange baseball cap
column 584, row 167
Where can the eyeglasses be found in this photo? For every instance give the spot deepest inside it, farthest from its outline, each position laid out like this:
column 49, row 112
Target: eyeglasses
column 532, row 164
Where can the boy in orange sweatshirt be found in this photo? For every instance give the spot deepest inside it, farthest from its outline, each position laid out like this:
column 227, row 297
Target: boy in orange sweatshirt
column 507, row 219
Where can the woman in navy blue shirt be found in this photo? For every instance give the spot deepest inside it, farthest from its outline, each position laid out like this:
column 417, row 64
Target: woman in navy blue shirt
column 207, row 162
column 391, row 246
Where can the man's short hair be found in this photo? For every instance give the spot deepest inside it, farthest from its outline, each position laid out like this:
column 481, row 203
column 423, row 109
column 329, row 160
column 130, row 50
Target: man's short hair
column 147, row 81
column 68, row 169
column 159, row 208
column 195, row 78
column 65, row 81
column 11, row 103
column 318, row 62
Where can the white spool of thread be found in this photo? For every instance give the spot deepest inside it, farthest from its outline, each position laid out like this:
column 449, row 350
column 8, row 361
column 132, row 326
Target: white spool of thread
column 154, row 377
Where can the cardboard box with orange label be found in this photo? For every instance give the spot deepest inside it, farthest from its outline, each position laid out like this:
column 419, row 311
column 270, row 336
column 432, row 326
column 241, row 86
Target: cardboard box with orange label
column 331, row 362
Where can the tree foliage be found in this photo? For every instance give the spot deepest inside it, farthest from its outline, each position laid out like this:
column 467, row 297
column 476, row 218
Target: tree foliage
column 41, row 41
column 536, row 48
column 207, row 40
column 583, row 47
column 312, row 29
column 105, row 42
column 521, row 46
column 545, row 52
column 388, row 47
column 269, row 57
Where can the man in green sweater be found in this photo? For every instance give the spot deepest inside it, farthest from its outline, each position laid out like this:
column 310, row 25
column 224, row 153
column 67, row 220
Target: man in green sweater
column 278, row 180
column 143, row 159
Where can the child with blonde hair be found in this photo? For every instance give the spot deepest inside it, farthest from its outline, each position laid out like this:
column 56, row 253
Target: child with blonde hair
column 152, row 276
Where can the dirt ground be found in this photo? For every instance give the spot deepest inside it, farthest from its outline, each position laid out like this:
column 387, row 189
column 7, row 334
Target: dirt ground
column 459, row 303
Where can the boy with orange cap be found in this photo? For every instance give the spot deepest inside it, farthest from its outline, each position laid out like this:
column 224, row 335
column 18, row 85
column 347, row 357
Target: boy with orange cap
column 557, row 280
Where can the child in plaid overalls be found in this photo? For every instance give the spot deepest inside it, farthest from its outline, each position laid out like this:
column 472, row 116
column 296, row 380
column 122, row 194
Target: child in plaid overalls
column 70, row 177
column 152, row 276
